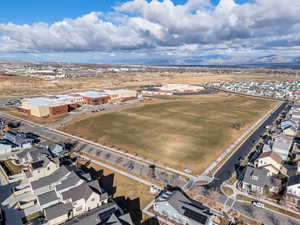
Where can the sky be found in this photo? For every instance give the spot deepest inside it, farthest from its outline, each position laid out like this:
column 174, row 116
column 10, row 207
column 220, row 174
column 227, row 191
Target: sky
column 151, row 31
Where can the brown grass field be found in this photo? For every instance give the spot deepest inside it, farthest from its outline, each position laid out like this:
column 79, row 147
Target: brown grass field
column 20, row 86
column 182, row 132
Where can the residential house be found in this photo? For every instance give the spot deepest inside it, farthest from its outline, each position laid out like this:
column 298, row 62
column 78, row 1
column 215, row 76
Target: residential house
column 18, row 139
column 6, row 147
column 282, row 145
column 42, row 168
column 287, row 124
column 85, row 197
column 296, row 116
column 266, row 148
column 57, row 214
column 64, row 188
column 65, row 195
column 108, row 214
column 255, row 180
column 179, row 208
column 58, row 150
column 272, row 162
column 293, row 191
column 291, row 131
column 37, row 163
column 119, row 220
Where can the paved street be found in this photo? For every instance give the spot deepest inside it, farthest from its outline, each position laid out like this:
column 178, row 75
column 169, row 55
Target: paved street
column 266, row 216
column 128, row 162
column 168, row 177
column 228, row 167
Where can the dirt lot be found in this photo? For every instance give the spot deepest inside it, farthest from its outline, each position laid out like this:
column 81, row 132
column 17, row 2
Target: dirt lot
column 182, row 132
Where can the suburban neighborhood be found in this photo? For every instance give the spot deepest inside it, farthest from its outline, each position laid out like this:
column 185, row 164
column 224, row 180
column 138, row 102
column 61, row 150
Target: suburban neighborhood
column 47, row 177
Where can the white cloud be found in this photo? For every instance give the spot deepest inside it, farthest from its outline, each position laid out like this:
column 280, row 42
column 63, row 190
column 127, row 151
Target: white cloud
column 194, row 28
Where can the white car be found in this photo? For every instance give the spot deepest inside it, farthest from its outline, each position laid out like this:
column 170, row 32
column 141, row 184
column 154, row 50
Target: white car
column 258, row 204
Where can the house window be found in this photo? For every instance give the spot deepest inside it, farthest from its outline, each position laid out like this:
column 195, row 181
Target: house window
column 254, row 178
column 79, row 208
column 93, row 199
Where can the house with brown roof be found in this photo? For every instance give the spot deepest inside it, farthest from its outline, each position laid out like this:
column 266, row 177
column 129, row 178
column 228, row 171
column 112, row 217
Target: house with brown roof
column 272, row 162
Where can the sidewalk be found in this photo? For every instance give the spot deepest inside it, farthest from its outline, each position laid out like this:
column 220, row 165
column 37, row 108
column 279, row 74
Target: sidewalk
column 236, row 192
column 128, row 155
column 237, row 143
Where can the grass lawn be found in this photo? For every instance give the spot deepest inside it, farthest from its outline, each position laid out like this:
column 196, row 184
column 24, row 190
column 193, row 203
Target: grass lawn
column 182, row 132
column 245, row 198
column 12, row 168
column 231, row 180
column 227, row 190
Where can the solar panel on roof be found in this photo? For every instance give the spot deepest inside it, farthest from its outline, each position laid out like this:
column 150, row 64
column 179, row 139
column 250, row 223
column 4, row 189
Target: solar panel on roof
column 37, row 165
column 195, row 216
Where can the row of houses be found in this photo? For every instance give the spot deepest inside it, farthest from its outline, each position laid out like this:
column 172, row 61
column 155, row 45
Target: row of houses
column 62, row 104
column 47, row 192
column 272, row 89
column 274, row 165
column 14, row 140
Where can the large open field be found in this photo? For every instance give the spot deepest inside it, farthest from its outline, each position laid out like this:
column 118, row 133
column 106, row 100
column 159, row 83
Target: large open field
column 21, row 85
column 183, row 132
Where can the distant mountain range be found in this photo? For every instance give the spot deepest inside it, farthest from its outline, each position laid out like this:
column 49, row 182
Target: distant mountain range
column 275, row 61
column 268, row 61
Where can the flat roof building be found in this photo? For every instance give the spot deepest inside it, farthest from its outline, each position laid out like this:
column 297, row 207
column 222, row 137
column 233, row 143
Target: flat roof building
column 180, row 88
column 62, row 104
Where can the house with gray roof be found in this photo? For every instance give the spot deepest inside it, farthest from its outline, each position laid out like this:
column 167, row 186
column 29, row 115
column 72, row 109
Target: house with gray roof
column 58, row 214
column 37, row 162
column 64, row 186
column 18, row 138
column 108, row 214
column 179, row 208
column 48, row 199
column 255, row 180
column 121, row 220
column 282, row 145
column 86, row 197
column 46, row 184
column 293, row 191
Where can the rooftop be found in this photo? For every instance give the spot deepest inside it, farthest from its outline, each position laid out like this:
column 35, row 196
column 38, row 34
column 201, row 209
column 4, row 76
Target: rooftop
column 53, row 178
column 92, row 94
column 272, row 155
column 58, row 210
column 47, row 197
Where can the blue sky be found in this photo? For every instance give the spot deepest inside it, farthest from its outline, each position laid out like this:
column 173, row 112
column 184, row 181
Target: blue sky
column 50, row 11
column 148, row 31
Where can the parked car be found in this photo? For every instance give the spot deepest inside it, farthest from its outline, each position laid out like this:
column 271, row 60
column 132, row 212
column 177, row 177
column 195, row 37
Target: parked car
column 258, row 204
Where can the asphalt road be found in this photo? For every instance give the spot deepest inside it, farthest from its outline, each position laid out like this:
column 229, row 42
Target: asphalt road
column 268, row 217
column 161, row 175
column 228, row 167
